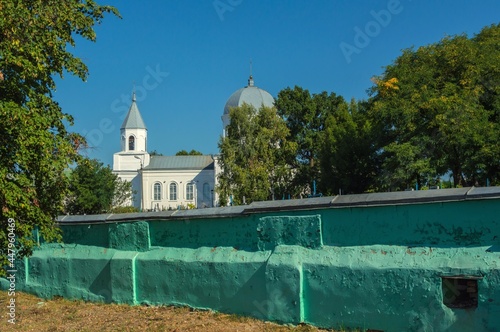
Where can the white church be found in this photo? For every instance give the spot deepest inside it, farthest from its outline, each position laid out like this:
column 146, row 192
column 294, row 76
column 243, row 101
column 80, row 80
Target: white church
column 173, row 182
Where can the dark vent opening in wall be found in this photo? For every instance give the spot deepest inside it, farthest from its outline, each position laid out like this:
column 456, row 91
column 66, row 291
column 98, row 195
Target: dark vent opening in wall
column 460, row 292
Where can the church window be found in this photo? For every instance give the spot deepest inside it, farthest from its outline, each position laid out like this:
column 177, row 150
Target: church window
column 206, row 191
column 157, row 191
column 173, row 191
column 189, row 191
column 131, row 143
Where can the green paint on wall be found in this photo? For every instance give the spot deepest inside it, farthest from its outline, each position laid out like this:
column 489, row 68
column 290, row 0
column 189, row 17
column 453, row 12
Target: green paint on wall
column 90, row 234
column 302, row 231
column 239, row 232
column 377, row 267
column 444, row 224
column 129, row 236
column 123, row 277
column 81, row 272
column 219, row 278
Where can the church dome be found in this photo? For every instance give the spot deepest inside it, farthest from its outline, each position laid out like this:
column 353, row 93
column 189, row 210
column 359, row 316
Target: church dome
column 251, row 95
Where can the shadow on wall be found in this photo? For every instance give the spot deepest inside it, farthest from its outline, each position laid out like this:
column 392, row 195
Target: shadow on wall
column 394, row 262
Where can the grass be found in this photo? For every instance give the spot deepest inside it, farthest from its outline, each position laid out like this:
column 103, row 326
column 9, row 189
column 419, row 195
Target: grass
column 60, row 315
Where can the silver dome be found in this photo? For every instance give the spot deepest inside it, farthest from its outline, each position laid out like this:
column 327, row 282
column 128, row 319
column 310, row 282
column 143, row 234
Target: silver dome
column 250, row 95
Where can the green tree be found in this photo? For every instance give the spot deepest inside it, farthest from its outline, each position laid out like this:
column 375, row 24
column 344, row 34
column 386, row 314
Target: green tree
column 349, row 159
column 124, row 209
column 190, row 153
column 305, row 115
column 122, row 194
column 155, row 153
column 254, row 156
column 95, row 189
column 487, row 42
column 437, row 109
column 35, row 145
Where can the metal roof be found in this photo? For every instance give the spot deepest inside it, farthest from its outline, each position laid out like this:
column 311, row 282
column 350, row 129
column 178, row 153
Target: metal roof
column 134, row 119
column 180, row 162
column 345, row 201
column 250, row 95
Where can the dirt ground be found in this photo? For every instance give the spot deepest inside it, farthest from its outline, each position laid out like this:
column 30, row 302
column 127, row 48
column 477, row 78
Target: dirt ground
column 35, row 314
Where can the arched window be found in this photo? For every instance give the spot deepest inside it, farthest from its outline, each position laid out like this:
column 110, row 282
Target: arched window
column 189, row 191
column 131, row 143
column 157, row 191
column 173, row 191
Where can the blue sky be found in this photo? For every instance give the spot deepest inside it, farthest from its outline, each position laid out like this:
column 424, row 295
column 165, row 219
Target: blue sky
column 187, row 57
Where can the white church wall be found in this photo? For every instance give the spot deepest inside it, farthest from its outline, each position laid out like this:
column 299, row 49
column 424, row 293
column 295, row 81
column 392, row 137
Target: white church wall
column 202, row 194
column 129, row 161
column 218, row 170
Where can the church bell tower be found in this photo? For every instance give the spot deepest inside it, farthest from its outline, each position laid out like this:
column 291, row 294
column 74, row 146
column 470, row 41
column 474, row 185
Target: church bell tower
column 133, row 157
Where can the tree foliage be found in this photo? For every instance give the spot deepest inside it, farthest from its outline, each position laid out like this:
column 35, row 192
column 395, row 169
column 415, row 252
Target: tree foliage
column 437, row 107
column 435, row 111
column 91, row 188
column 122, row 194
column 348, row 159
column 155, row 153
column 35, row 145
column 190, row 153
column 324, row 129
column 95, row 189
column 254, row 156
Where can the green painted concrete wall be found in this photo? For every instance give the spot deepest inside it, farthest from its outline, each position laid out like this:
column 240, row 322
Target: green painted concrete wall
column 373, row 261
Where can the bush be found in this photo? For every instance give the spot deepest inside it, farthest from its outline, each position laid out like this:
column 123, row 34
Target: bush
column 124, row 209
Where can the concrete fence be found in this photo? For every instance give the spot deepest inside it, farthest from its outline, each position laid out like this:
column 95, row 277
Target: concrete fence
column 407, row 261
